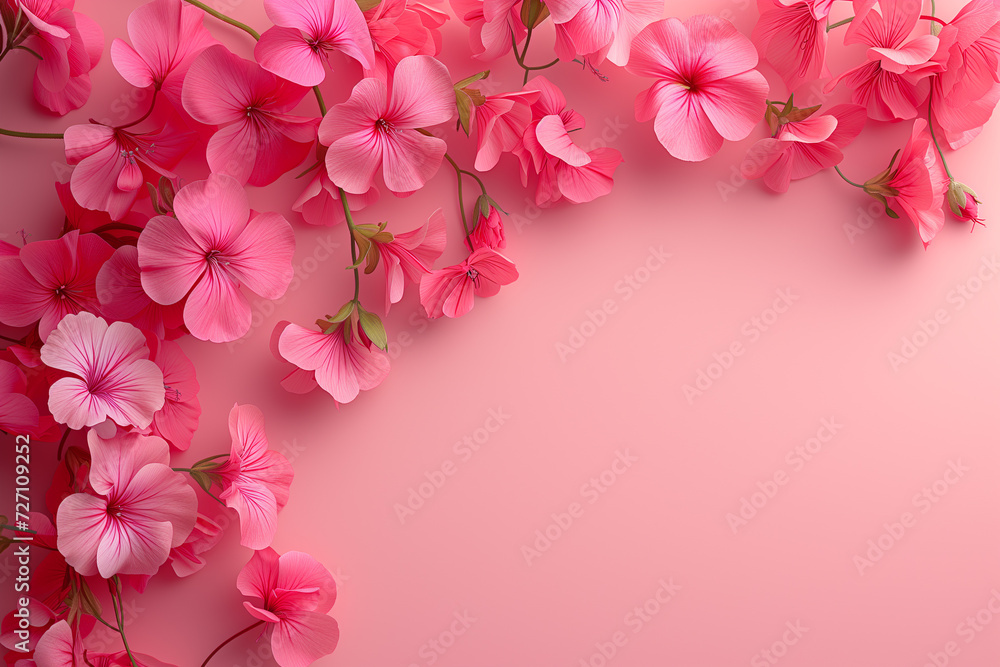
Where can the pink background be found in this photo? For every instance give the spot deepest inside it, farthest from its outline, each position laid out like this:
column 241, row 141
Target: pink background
column 858, row 290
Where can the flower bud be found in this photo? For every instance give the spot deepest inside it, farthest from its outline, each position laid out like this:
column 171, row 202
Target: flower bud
column 963, row 202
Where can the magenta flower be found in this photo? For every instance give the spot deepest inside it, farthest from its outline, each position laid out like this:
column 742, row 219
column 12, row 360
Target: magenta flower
column 305, row 32
column 805, row 147
column 119, row 289
column 451, row 291
column 177, row 420
column 258, row 139
column 296, row 592
column 255, row 480
column 111, row 376
column 599, row 29
column 344, row 361
column 113, row 164
column 372, row 129
column 500, row 123
column 893, row 83
column 208, row 250
column 320, row 202
column 168, row 35
column 139, row 509
column 707, row 89
column 488, row 232
column 793, row 39
column 51, row 279
column 411, row 255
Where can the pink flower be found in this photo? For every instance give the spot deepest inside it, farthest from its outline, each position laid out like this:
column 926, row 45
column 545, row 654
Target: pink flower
column 168, row 35
column 177, row 420
column 411, row 254
column 793, row 38
column 62, row 646
column 296, row 592
column 494, row 26
column 51, row 279
column 488, row 232
column 801, row 148
column 139, row 509
column 255, row 480
column 119, row 289
column 18, row 414
column 918, row 183
column 208, row 250
column 343, row 359
column 963, row 203
column 70, row 45
column 305, row 33
column 258, row 140
column 707, row 89
column 320, row 202
column 893, row 83
column 111, row 374
column 113, row 164
column 372, row 129
column 187, row 558
column 451, row 291
column 87, row 220
column 599, row 29
column 399, row 29
column 500, row 124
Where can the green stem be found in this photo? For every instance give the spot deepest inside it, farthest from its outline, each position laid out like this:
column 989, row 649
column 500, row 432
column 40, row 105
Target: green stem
column 847, row 179
column 839, row 23
column 116, row 593
column 930, row 124
column 219, row 647
column 17, row 530
column 222, row 17
column 461, row 201
column 152, row 105
column 31, row 135
column 524, row 52
column 319, row 99
column 354, row 249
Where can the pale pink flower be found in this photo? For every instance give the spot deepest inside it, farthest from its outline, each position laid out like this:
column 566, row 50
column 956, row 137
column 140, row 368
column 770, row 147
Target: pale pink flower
column 111, row 376
column 18, row 413
column 255, row 480
column 344, row 360
column 500, row 123
column 168, row 35
column 119, row 289
column 51, row 279
column 411, row 255
column 803, row 148
column 893, row 83
column 177, row 420
column 793, row 39
column 707, row 89
column 296, row 592
column 258, row 139
column 494, row 26
column 599, row 29
column 113, row 164
column 139, row 509
column 320, row 202
column 373, row 129
column 306, row 31
column 208, row 250
column 451, row 291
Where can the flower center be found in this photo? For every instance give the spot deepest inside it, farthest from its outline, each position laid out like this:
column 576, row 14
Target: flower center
column 61, row 291
column 472, row 274
column 384, row 126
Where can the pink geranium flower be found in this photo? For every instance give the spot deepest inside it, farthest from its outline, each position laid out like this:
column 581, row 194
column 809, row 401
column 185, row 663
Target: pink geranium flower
column 793, row 38
column 62, row 646
column 343, row 360
column 399, row 29
column 211, row 247
column 139, row 509
column 500, row 124
column 599, row 29
column 411, row 255
column 255, row 480
column 320, row 202
column 488, row 232
column 113, row 164
column 51, row 279
column 707, row 89
column 119, row 289
column 187, row 558
column 893, row 83
column 111, row 376
column 18, row 414
column 168, row 35
column 804, row 147
column 451, row 291
column 258, row 140
column 177, row 420
column 916, row 182
column 305, row 32
column 494, row 26
column 373, row 129
column 295, row 593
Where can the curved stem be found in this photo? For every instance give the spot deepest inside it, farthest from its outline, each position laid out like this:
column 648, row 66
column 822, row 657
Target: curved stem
column 31, row 135
column 838, row 24
column 62, row 443
column 114, row 584
column 930, row 124
column 152, row 105
column 461, row 202
column 354, row 249
column 847, row 179
column 925, row 17
column 222, row 17
column 524, row 52
column 319, row 99
column 219, row 647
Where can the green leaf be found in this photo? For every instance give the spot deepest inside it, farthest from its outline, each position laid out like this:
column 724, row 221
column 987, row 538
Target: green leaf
column 344, row 312
column 374, row 329
column 479, row 76
column 465, row 107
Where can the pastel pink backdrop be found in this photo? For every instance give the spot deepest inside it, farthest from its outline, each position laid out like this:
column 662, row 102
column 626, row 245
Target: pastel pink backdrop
column 857, row 294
